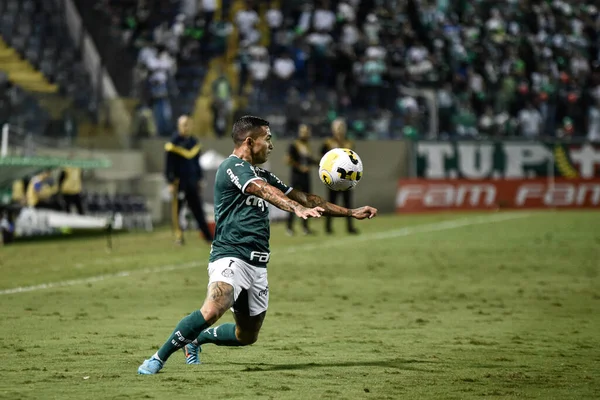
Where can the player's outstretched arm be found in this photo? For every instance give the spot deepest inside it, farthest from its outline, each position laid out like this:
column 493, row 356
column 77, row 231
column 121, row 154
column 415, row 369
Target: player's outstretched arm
column 276, row 197
column 312, row 200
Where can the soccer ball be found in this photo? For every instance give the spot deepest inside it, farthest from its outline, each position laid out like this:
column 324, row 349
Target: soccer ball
column 340, row 169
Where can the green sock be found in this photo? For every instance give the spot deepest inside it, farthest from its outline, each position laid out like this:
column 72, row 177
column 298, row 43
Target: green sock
column 185, row 331
column 222, row 335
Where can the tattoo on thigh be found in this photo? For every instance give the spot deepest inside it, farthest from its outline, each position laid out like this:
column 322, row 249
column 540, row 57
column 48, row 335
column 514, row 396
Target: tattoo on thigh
column 221, row 293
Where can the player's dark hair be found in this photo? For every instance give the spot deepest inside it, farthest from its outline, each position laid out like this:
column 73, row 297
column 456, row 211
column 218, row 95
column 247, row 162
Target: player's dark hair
column 246, row 126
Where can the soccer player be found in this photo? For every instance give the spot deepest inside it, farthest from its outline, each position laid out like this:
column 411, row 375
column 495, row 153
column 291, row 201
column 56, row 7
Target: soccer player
column 240, row 252
column 184, row 174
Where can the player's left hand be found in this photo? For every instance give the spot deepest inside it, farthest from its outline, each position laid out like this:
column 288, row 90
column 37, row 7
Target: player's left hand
column 364, row 212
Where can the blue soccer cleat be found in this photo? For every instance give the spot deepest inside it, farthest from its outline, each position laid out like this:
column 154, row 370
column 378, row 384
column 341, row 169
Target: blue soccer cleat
column 150, row 366
column 191, row 353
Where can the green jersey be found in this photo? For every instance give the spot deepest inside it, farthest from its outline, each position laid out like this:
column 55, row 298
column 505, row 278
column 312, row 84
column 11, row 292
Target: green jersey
column 242, row 220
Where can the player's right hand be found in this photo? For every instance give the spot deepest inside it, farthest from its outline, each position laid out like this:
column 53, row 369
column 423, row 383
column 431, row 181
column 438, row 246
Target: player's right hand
column 171, row 188
column 306, row 213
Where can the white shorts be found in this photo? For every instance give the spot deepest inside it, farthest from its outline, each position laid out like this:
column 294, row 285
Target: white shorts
column 250, row 284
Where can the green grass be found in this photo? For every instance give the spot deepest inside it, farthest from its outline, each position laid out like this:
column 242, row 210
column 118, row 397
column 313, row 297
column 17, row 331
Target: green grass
column 499, row 309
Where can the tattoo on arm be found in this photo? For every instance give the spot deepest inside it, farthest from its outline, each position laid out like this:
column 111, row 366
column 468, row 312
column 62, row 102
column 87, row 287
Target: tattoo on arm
column 312, row 200
column 272, row 195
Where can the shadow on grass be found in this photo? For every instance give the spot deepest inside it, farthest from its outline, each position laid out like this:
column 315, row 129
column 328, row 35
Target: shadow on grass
column 398, row 363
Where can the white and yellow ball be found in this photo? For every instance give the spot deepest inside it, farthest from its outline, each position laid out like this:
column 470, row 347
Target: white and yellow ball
column 340, row 169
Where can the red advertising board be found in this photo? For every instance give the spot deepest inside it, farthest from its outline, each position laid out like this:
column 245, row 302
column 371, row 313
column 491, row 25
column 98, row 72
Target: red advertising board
column 416, row 195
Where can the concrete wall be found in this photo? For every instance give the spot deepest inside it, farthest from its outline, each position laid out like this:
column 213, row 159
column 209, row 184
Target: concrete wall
column 384, row 162
column 125, row 164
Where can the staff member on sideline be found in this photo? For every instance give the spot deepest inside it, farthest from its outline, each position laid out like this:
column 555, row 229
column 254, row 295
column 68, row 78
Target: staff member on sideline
column 338, row 140
column 300, row 160
column 70, row 188
column 42, row 190
column 184, row 174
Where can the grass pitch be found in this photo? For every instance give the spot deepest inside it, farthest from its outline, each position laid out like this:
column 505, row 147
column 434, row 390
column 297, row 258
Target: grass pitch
column 452, row 306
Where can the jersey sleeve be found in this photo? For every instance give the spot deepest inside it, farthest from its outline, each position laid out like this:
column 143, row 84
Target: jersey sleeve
column 278, row 183
column 240, row 173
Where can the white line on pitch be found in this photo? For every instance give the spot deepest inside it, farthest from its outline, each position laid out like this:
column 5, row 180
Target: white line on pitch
column 406, row 231
column 98, row 278
column 410, row 230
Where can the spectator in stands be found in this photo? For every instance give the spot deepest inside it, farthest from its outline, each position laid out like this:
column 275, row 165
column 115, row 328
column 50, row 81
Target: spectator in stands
column 42, row 191
column 382, row 120
column 593, row 133
column 259, row 72
column 222, row 105
column 244, row 58
column 293, row 112
column 321, row 55
column 373, row 70
column 70, row 184
column 274, row 19
column 189, row 8
column 184, row 176
column 323, row 18
column 209, row 8
column 300, row 53
column 312, row 110
column 283, row 72
column 465, row 120
column 530, row 121
column 143, row 124
column 247, row 20
column 161, row 67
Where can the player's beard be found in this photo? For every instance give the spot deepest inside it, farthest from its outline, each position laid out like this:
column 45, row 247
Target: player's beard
column 266, row 156
column 262, row 157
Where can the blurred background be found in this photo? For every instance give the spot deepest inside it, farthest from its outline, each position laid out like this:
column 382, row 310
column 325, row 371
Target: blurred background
column 450, row 104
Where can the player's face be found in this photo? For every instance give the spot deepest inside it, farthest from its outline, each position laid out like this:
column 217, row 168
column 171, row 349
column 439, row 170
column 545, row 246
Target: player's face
column 262, row 146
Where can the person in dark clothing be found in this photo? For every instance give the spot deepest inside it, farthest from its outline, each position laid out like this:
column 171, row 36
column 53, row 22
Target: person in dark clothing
column 70, row 186
column 184, row 174
column 300, row 159
column 338, row 140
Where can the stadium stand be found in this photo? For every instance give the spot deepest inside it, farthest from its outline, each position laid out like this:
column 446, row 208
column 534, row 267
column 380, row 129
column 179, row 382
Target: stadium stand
column 496, row 68
column 42, row 66
column 374, row 62
column 394, row 69
column 166, row 49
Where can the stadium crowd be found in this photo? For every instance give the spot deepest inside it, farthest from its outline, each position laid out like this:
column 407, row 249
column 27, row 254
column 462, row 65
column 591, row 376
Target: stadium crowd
column 495, row 68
